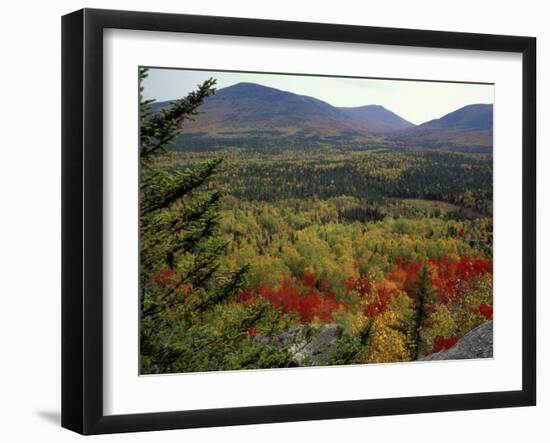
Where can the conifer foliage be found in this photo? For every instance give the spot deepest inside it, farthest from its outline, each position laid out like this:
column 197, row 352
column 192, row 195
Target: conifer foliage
column 189, row 320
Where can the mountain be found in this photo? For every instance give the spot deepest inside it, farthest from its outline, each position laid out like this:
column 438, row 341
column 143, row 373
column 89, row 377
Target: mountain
column 467, row 129
column 248, row 107
column 376, row 118
column 469, row 118
column 251, row 114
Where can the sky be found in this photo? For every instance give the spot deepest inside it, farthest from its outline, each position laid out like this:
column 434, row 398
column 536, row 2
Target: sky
column 415, row 101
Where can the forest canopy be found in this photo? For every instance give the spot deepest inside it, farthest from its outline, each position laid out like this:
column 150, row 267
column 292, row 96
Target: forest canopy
column 246, row 254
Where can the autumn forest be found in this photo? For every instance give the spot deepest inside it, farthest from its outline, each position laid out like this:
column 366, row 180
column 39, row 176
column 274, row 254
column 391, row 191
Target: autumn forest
column 273, row 243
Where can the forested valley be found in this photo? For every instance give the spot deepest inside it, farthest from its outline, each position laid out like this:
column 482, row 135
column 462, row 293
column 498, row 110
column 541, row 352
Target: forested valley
column 247, row 252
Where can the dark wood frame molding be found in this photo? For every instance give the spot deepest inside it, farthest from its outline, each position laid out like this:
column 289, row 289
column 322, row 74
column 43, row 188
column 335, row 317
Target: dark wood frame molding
column 82, row 220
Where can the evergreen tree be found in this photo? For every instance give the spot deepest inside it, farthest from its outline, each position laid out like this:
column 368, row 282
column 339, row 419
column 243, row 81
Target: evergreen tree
column 424, row 293
column 187, row 322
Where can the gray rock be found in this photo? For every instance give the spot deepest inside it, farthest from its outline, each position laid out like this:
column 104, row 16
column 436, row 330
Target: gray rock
column 478, row 343
column 316, row 349
column 306, row 351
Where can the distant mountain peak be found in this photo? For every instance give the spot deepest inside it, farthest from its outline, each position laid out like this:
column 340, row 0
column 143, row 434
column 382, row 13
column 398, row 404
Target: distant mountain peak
column 248, row 89
column 469, row 128
column 371, row 106
column 477, row 116
column 250, row 86
column 377, row 118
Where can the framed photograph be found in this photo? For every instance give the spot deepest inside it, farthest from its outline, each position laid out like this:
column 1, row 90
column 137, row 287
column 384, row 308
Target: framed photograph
column 269, row 221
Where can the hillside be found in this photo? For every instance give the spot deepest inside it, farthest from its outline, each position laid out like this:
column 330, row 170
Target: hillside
column 376, row 118
column 249, row 115
column 469, row 129
column 248, row 107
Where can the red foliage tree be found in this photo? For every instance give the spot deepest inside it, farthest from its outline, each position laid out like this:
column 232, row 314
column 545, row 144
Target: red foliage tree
column 300, row 296
column 453, row 278
column 405, row 274
column 485, row 310
column 450, row 277
column 442, row 343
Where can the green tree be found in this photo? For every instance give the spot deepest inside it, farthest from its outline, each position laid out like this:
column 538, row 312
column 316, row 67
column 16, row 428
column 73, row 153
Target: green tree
column 424, row 294
column 187, row 320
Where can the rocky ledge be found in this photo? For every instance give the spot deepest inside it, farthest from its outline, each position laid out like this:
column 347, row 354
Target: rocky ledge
column 306, row 351
column 478, row 343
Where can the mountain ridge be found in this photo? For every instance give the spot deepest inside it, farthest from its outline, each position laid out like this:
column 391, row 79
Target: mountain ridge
column 271, row 108
column 251, row 114
column 385, row 119
column 469, row 128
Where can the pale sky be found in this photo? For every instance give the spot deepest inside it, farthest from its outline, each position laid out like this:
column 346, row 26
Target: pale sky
column 415, row 101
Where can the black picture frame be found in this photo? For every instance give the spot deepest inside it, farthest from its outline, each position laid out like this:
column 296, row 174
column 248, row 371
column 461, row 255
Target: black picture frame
column 82, row 219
